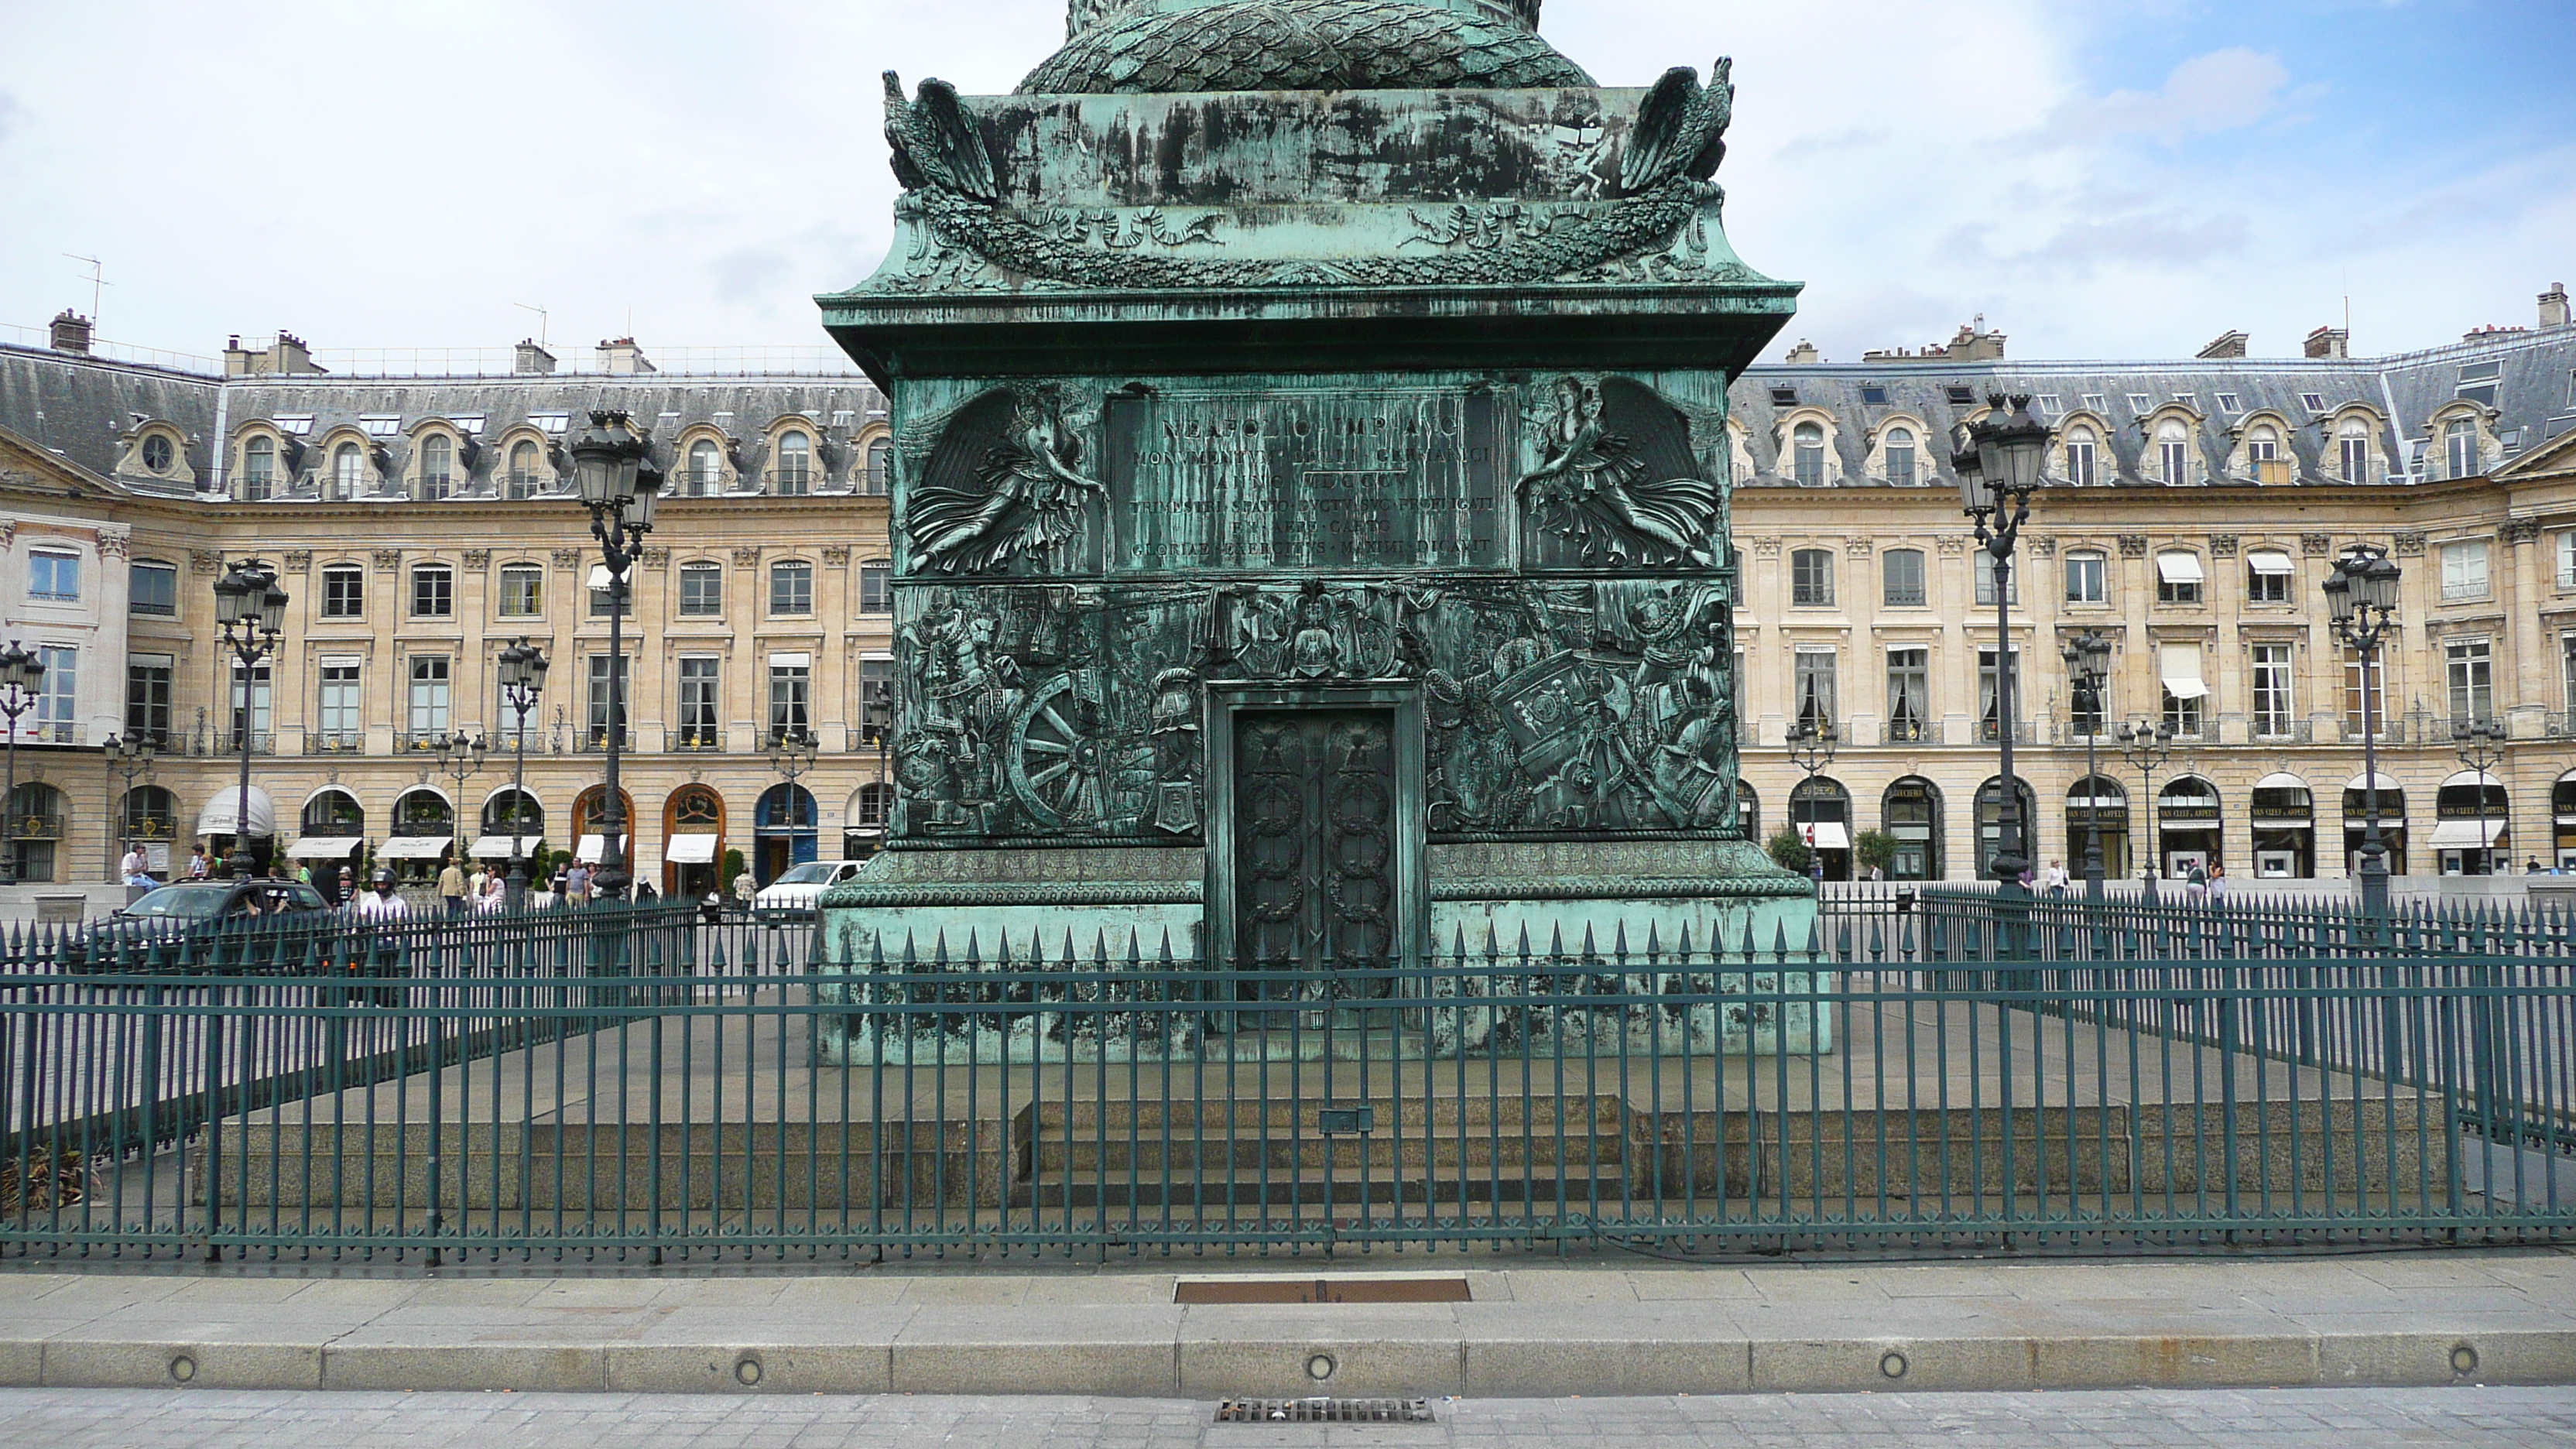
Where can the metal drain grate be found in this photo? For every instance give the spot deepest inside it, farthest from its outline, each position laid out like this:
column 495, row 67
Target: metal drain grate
column 1324, row 1411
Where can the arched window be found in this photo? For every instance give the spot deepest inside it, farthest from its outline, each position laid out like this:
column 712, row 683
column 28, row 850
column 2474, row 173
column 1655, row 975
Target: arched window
column 2352, row 444
column 2098, row 803
column 1820, row 809
column 2263, row 454
column 871, row 804
column 259, row 469
column 334, row 814
column 510, row 807
column 794, row 473
column 2460, row 448
column 2173, row 451
column 1902, row 573
column 151, row 813
column 2083, row 456
column 36, row 826
column 1748, row 811
column 424, row 813
column 1911, row 812
column 1990, row 797
column 1900, row 456
column 880, row 468
column 348, row 470
column 1811, row 578
column 1808, row 441
column 522, row 480
column 437, row 465
column 705, row 473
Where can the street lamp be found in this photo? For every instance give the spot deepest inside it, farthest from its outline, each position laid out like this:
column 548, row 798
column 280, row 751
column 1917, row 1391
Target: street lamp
column 2088, row 667
column 459, row 757
column 22, row 679
column 2361, row 596
column 523, row 678
column 2480, row 746
column 1998, row 469
column 2147, row 744
column 618, row 488
column 251, row 608
column 128, row 758
column 1811, row 748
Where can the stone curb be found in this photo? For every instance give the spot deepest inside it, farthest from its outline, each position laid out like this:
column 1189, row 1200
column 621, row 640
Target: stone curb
column 1013, row 1353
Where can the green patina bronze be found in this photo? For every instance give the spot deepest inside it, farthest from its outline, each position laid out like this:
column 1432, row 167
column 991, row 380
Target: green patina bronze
column 1311, row 495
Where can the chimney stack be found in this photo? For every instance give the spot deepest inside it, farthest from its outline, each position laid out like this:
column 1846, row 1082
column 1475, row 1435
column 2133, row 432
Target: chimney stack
column 622, row 357
column 2553, row 305
column 1805, row 352
column 532, row 360
column 71, row 330
column 2329, row 342
column 2230, row 343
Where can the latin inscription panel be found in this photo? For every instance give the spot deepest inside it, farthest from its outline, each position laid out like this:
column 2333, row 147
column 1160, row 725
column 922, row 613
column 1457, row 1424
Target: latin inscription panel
column 1378, row 478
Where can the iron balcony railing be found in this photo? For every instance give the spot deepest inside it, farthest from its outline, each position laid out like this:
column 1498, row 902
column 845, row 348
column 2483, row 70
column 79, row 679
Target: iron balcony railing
column 35, row 825
column 789, row 482
column 335, row 742
column 2025, row 732
column 594, row 740
column 694, row 739
column 229, row 742
column 644, row 1085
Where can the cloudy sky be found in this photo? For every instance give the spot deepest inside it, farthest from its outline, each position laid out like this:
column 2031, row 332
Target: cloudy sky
column 2108, row 180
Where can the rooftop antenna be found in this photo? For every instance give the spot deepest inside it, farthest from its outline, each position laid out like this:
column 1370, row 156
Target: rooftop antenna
column 541, row 320
column 97, row 280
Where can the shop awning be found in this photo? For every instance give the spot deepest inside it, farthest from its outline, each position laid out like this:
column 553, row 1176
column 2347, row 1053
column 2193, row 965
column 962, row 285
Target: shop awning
column 2267, row 562
column 696, row 848
column 2182, row 671
column 2178, row 568
column 2465, row 834
column 594, row 846
column 497, row 847
column 1827, row 835
column 2466, row 779
column 223, row 809
column 2387, row 782
column 323, row 847
column 414, row 847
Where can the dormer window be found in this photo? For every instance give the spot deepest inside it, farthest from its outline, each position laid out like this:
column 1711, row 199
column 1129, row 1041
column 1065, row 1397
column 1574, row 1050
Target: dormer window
column 437, row 466
column 2460, row 447
column 1809, row 442
column 2173, row 452
column 522, row 479
column 794, row 473
column 2083, row 452
column 1900, row 456
column 157, row 452
column 880, row 467
column 348, row 470
column 259, row 470
column 705, row 471
column 2263, row 454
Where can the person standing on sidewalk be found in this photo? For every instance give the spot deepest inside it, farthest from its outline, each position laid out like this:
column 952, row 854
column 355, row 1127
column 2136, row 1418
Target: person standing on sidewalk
column 744, row 889
column 451, row 887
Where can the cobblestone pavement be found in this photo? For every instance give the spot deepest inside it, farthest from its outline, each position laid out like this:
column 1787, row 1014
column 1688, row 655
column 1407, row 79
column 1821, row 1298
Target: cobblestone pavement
column 2339, row 1418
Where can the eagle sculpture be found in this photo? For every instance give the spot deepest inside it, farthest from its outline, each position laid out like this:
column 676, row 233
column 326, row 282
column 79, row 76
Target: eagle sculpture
column 935, row 142
column 1680, row 129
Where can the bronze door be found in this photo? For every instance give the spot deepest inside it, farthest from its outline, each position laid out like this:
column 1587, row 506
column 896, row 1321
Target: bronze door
column 1314, row 832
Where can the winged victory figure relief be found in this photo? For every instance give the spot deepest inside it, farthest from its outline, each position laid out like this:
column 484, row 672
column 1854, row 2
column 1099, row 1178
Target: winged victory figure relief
column 1021, row 496
column 1618, row 480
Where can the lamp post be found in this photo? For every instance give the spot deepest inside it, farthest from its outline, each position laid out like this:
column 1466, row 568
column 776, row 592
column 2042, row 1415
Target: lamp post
column 22, row 679
column 523, row 678
column 460, row 756
column 792, row 753
column 2480, row 746
column 618, row 488
column 1998, row 469
column 2361, row 597
column 252, row 610
column 128, row 758
column 1811, row 748
column 2147, row 744
column 2088, row 666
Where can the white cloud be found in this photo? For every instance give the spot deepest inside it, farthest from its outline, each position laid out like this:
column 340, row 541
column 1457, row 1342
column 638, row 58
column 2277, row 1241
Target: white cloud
column 2220, row 91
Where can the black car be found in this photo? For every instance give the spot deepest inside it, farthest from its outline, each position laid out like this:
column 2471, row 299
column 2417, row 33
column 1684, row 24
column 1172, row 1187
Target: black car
column 212, row 925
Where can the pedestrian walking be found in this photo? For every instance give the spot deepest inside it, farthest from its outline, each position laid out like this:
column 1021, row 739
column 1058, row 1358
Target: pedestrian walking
column 744, row 889
column 197, row 863
column 2195, row 886
column 2217, row 881
column 451, row 887
column 577, row 883
column 2056, row 880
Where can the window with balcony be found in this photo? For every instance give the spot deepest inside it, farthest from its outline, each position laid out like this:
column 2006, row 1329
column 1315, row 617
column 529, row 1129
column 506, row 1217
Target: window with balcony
column 1982, row 564
column 153, row 588
column 344, row 592
column 2173, row 453
column 53, row 578
column 2470, row 665
column 2354, row 701
column 791, row 587
column 2272, row 703
column 2178, row 578
column 437, row 466
column 701, row 703
column 794, row 474
column 703, row 474
column 1901, row 573
column 2086, row 579
column 147, row 698
column 1807, row 444
column 433, row 591
column 250, row 705
column 348, row 471
column 701, row 590
column 342, row 726
column 2263, row 454
column 2352, row 453
column 876, row 700
column 1811, row 578
column 1989, row 719
column 523, row 591
column 2083, row 454
column 604, row 672
column 259, row 470
column 426, row 712
column 2464, row 570
column 880, row 468
column 1813, row 684
column 2567, row 559
column 1900, row 456
column 875, row 581
column 2567, row 674
column 2185, row 692
column 2460, row 448
column 525, row 475
column 1909, row 695
column 791, row 692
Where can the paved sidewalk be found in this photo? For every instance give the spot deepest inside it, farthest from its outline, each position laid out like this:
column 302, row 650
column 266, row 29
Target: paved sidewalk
column 1631, row 1328
column 2481, row 1418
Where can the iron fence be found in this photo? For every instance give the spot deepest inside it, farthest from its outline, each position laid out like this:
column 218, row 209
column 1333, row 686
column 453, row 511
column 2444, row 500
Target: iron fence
column 642, row 1085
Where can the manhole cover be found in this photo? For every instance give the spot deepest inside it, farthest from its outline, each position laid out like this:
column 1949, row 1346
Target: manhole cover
column 1324, row 1411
